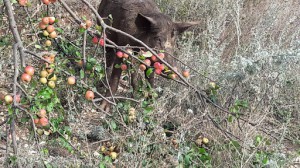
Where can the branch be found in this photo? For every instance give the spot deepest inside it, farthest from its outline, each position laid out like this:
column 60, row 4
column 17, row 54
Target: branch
column 13, row 28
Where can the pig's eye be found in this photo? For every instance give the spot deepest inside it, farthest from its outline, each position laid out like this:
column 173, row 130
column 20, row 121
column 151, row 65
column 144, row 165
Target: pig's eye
column 157, row 39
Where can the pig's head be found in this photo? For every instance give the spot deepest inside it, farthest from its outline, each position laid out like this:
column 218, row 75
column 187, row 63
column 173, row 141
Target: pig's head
column 158, row 31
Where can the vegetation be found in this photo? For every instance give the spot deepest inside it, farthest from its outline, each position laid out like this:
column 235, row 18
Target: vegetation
column 244, row 56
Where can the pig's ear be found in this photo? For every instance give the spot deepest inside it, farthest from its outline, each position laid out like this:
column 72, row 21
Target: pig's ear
column 145, row 22
column 183, row 26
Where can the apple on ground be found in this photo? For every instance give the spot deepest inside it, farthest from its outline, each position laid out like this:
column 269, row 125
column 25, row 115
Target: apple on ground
column 71, row 80
column 51, row 84
column 185, row 73
column 89, row 95
column 25, row 78
column 8, row 99
column 123, row 67
column 29, row 70
column 142, row 67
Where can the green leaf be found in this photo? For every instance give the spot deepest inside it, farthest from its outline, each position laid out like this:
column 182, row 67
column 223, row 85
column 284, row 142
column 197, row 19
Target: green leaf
column 37, row 46
column 81, row 74
column 149, row 72
column 113, row 125
column 147, row 54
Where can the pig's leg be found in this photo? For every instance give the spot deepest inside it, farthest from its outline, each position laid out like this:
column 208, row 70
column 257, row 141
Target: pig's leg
column 113, row 83
column 150, row 79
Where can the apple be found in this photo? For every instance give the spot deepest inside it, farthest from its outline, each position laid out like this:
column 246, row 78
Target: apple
column 119, row 54
column 46, row 33
column 157, row 71
column 22, row 2
column 205, row 140
column 52, row 55
column 48, row 43
column 43, row 80
column 162, row 67
column 142, row 67
column 46, row 2
column 51, row 84
column 44, row 121
column 102, row 149
column 53, row 78
column 185, row 73
column 25, row 78
column 50, row 70
column 154, row 58
column 88, row 23
column 113, row 155
column 18, row 98
column 101, row 41
column 213, row 84
column 125, row 55
column 172, row 76
column 131, row 111
column 123, row 67
column 36, row 120
column 79, row 63
column 157, row 65
column 29, row 70
column 147, row 62
column 71, row 80
column 8, row 99
column 42, row 113
column 161, row 55
column 89, row 95
column 51, row 20
column 95, row 40
column 45, row 20
column 50, row 28
column 53, row 34
column 42, row 25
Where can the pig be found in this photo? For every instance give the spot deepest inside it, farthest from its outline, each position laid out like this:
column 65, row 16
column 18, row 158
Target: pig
column 143, row 20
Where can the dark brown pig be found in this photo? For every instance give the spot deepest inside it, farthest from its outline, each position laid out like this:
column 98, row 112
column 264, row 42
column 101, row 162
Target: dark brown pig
column 143, row 20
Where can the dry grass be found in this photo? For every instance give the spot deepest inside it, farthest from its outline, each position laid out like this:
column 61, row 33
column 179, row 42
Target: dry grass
column 250, row 48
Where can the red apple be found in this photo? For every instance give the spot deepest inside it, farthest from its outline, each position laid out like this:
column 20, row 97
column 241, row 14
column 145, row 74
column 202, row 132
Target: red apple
column 119, row 54
column 161, row 55
column 123, row 67
column 142, row 67
column 18, row 98
column 157, row 65
column 162, row 67
column 147, row 62
column 50, row 28
column 51, row 20
column 89, row 95
column 29, row 70
column 95, row 40
column 45, row 20
column 185, row 73
column 42, row 113
column 71, row 80
column 44, row 121
column 172, row 76
column 157, row 71
column 46, row 2
column 42, row 25
column 36, row 120
column 22, row 2
column 26, row 78
column 154, row 58
column 8, row 99
column 101, row 41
